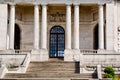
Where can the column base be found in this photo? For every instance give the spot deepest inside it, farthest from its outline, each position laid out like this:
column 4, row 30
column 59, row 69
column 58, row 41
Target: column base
column 100, row 50
column 72, row 55
column 39, row 55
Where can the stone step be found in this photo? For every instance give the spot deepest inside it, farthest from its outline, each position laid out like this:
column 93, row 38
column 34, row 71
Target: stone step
column 47, row 75
column 48, row 79
column 52, row 64
column 51, row 71
column 52, row 67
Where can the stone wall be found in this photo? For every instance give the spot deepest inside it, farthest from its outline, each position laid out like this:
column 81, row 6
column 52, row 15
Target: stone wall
column 3, row 26
column 117, row 25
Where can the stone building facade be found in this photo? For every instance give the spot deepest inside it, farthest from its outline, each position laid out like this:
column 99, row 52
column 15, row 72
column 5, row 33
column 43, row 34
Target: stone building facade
column 64, row 28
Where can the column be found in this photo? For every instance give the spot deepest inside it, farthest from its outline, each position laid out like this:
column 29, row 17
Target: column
column 44, row 27
column 68, row 28
column 76, row 27
column 101, row 27
column 36, row 26
column 12, row 26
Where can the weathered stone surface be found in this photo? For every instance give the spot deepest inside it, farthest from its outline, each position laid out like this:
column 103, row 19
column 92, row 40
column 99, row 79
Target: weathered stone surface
column 3, row 26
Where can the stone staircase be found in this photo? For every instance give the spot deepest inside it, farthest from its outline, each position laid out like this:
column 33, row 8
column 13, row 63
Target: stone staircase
column 51, row 70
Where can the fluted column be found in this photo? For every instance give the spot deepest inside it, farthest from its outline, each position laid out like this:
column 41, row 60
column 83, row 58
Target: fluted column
column 12, row 26
column 68, row 28
column 101, row 27
column 76, row 27
column 44, row 27
column 36, row 26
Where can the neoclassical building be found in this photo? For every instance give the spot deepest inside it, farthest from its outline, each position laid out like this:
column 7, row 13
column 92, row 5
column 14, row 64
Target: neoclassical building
column 75, row 30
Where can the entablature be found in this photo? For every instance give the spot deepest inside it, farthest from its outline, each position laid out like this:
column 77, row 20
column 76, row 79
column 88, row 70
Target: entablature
column 56, row 1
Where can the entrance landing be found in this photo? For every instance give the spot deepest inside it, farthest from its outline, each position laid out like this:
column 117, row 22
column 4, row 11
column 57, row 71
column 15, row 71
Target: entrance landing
column 56, row 59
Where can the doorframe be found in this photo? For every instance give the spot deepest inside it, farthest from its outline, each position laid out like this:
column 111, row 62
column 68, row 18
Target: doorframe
column 50, row 40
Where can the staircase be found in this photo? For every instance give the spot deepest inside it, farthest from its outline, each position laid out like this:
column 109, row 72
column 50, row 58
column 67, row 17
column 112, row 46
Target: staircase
column 51, row 70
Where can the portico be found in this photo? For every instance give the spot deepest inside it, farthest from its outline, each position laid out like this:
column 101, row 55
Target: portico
column 72, row 25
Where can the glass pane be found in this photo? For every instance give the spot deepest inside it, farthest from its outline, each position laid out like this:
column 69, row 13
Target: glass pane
column 60, row 45
column 53, row 45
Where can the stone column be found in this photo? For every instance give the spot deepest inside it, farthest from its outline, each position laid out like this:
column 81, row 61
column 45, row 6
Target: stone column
column 42, row 53
column 12, row 26
column 76, row 27
column 72, row 54
column 36, row 26
column 68, row 28
column 44, row 27
column 101, row 27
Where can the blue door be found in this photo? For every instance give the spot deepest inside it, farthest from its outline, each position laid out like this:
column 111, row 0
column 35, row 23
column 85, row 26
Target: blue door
column 57, row 42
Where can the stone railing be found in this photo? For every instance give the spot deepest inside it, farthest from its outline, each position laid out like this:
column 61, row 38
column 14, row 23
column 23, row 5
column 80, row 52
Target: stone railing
column 23, row 66
column 15, row 63
column 12, row 59
column 22, row 51
column 88, row 51
column 91, row 58
column 101, row 59
column 22, row 61
column 14, row 51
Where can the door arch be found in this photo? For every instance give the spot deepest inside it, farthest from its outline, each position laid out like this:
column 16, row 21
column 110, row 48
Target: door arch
column 96, row 37
column 17, row 37
column 57, row 42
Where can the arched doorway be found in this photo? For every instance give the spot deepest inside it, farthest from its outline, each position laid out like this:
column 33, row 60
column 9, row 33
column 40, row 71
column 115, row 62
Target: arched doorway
column 57, row 42
column 17, row 37
column 96, row 36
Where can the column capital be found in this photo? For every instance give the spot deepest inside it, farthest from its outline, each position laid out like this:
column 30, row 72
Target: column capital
column 100, row 4
column 12, row 4
column 68, row 4
column 76, row 4
column 44, row 4
column 36, row 4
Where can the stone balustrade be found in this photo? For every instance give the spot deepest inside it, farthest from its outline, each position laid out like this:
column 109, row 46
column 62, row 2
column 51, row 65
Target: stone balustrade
column 101, row 58
column 88, row 51
column 12, row 59
column 14, row 51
